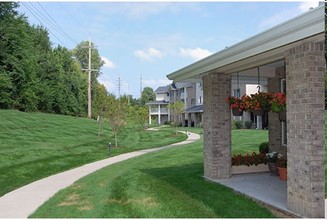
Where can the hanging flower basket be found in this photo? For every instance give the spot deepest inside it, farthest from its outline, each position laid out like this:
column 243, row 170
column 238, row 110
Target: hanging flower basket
column 282, row 116
column 278, row 105
column 236, row 112
column 258, row 103
column 236, row 104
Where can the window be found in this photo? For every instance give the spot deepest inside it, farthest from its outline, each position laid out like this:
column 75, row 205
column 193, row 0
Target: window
column 200, row 99
column 284, row 133
column 236, row 93
column 192, row 102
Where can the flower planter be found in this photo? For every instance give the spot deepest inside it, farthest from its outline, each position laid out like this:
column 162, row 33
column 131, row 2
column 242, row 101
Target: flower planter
column 282, row 173
column 282, row 116
column 236, row 112
column 249, row 169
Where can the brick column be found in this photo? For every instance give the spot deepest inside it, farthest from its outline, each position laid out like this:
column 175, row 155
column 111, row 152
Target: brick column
column 217, row 126
column 305, row 67
column 275, row 126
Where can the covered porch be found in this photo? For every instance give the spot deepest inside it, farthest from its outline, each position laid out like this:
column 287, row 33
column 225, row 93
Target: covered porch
column 293, row 57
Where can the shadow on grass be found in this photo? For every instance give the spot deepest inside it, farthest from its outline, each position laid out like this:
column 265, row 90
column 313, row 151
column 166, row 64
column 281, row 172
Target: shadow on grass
column 222, row 201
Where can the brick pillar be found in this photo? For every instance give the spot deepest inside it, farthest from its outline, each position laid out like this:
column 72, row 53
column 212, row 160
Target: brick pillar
column 305, row 66
column 275, row 126
column 217, row 126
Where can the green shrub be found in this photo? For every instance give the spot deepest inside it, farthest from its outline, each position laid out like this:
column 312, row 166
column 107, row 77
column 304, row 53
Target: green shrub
column 248, row 124
column 237, row 124
column 264, row 147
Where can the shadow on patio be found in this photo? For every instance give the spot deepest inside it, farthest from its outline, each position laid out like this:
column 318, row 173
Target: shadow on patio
column 269, row 190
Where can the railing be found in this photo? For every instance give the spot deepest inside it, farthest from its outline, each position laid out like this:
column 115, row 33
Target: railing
column 156, row 111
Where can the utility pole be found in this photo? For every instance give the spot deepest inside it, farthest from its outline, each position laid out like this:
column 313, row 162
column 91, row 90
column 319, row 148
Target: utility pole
column 141, row 86
column 89, row 101
column 119, row 86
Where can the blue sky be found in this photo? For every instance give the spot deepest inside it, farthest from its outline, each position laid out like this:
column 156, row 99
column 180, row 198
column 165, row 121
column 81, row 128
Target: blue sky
column 153, row 39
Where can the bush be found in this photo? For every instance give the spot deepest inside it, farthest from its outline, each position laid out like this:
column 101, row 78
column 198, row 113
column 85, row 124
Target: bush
column 237, row 124
column 264, row 147
column 248, row 124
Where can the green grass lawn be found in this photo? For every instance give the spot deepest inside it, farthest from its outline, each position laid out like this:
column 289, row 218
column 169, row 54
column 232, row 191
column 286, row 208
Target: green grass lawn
column 36, row 145
column 164, row 184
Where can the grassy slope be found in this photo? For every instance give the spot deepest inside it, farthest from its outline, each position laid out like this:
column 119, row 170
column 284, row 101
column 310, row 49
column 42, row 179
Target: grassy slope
column 36, row 145
column 165, row 184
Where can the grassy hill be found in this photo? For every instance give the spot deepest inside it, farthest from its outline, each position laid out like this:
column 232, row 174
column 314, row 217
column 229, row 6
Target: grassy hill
column 36, row 145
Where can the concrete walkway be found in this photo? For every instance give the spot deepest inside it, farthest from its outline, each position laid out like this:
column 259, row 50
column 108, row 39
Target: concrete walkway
column 22, row 202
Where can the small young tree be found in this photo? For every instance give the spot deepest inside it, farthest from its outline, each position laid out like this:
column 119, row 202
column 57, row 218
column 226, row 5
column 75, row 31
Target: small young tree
column 140, row 115
column 176, row 109
column 116, row 114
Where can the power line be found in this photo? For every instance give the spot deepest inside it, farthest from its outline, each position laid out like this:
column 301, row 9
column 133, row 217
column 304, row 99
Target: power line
column 52, row 23
column 31, row 11
column 56, row 24
column 73, row 18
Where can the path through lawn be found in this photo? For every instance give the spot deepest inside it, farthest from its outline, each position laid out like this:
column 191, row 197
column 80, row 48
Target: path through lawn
column 166, row 184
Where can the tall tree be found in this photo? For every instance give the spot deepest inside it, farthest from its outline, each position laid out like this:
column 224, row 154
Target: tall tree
column 147, row 95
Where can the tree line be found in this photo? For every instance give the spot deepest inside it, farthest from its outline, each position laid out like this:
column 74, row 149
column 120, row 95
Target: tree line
column 34, row 76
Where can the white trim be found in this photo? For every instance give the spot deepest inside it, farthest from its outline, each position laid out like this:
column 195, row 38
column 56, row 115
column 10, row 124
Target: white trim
column 303, row 26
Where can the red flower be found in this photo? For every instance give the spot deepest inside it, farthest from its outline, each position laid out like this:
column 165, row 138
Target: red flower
column 278, row 103
column 249, row 160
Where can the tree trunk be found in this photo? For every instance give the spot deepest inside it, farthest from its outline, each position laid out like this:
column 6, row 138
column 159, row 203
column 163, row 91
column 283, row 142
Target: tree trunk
column 116, row 139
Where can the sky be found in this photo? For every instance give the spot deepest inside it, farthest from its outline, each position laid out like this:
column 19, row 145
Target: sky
column 149, row 40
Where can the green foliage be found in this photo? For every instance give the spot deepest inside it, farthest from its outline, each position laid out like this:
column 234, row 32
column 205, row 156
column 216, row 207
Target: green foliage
column 140, row 115
column 248, row 124
column 176, row 110
column 147, row 95
column 264, row 147
column 237, row 124
column 36, row 77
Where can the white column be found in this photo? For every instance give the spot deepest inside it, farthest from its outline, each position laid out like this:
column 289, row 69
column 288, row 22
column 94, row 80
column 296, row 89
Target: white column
column 149, row 114
column 159, row 115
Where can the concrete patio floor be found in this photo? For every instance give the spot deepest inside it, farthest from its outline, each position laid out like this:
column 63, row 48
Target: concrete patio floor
column 263, row 187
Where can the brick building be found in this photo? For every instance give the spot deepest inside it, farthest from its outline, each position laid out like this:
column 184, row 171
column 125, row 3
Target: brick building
column 293, row 54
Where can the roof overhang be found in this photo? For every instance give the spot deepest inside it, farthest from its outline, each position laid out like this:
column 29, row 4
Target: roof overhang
column 266, row 47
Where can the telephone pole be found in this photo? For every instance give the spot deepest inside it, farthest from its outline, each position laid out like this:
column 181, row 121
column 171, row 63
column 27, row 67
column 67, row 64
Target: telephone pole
column 89, row 101
column 141, row 86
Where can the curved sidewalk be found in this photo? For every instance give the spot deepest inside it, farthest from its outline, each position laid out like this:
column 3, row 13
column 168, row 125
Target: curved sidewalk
column 22, row 202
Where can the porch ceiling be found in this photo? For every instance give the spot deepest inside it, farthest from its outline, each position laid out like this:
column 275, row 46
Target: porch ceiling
column 262, row 49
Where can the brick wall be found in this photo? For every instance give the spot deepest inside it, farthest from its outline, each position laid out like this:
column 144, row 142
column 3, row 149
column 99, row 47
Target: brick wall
column 275, row 127
column 305, row 66
column 217, row 126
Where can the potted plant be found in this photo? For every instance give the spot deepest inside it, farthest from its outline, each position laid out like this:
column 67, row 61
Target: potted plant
column 258, row 103
column 271, row 161
column 236, row 105
column 282, row 167
column 278, row 105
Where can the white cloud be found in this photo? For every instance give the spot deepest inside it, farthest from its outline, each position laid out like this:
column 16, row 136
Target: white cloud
column 108, row 63
column 155, row 83
column 149, row 54
column 196, row 54
column 285, row 15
